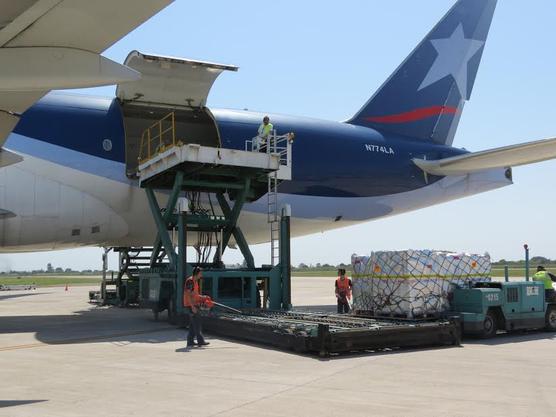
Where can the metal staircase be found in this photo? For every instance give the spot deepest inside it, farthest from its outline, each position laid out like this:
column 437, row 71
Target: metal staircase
column 132, row 259
column 117, row 286
column 280, row 145
column 159, row 146
column 273, row 219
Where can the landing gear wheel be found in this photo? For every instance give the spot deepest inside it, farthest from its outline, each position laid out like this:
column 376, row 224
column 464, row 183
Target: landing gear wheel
column 550, row 321
column 172, row 319
column 489, row 326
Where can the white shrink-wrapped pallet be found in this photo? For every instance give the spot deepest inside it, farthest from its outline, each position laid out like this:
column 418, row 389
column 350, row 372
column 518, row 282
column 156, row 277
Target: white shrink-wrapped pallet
column 413, row 283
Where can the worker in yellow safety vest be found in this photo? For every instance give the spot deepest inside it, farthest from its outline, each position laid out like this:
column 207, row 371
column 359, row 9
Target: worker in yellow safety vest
column 547, row 279
column 265, row 129
column 343, row 287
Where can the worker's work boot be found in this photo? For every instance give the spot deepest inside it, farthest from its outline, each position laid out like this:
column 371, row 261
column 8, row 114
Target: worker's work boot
column 203, row 343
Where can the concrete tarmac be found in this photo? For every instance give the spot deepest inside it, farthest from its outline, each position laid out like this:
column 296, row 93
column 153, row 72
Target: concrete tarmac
column 60, row 356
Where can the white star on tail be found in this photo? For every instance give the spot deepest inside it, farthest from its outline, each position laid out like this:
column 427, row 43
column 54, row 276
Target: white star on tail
column 453, row 55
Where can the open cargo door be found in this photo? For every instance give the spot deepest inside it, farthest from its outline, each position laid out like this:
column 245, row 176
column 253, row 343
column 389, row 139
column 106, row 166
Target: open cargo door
column 168, row 85
column 170, row 81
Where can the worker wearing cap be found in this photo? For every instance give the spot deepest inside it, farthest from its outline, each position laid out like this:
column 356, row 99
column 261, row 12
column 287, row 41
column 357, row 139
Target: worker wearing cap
column 343, row 288
column 265, row 129
column 193, row 301
column 547, row 279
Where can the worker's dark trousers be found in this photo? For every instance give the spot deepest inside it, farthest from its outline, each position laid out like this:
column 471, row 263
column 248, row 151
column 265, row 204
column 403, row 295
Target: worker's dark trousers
column 258, row 295
column 343, row 307
column 549, row 295
column 195, row 330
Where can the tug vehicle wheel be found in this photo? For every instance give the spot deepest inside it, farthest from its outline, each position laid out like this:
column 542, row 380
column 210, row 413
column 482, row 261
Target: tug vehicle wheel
column 489, row 326
column 550, row 321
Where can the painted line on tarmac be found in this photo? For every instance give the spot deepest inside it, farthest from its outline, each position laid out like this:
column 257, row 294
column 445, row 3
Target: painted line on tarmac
column 84, row 339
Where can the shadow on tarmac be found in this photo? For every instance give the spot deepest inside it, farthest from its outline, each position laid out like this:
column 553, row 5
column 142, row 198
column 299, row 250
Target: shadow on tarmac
column 15, row 403
column 125, row 326
column 93, row 326
column 512, row 338
column 8, row 296
column 183, row 350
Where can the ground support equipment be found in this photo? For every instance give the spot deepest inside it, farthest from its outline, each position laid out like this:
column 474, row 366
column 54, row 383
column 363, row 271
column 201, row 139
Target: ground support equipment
column 487, row 307
column 327, row 334
column 179, row 179
column 204, row 190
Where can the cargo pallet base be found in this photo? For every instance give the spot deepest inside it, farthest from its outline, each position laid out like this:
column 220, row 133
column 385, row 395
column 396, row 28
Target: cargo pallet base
column 326, row 334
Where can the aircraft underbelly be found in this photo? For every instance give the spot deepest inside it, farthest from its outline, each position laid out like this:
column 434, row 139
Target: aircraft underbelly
column 55, row 207
column 52, row 207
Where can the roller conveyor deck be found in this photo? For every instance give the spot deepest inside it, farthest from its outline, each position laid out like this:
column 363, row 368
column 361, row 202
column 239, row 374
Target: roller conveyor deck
column 327, row 334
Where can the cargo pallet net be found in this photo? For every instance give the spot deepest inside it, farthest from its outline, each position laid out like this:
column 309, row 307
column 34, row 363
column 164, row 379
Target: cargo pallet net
column 413, row 283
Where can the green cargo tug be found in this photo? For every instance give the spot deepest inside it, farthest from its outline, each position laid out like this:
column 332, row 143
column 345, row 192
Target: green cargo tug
column 491, row 306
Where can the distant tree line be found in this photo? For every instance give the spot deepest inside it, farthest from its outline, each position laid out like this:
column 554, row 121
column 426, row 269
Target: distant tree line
column 535, row 260
column 320, row 267
column 52, row 270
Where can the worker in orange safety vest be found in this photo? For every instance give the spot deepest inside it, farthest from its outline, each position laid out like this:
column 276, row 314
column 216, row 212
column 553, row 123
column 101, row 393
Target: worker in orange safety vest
column 343, row 288
column 193, row 301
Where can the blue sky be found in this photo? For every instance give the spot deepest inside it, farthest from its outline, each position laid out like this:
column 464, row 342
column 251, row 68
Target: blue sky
column 324, row 59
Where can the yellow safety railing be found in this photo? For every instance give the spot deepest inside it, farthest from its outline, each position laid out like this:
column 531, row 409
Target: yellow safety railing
column 158, row 137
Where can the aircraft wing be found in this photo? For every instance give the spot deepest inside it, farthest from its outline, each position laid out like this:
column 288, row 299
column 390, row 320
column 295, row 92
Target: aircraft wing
column 56, row 44
column 505, row 157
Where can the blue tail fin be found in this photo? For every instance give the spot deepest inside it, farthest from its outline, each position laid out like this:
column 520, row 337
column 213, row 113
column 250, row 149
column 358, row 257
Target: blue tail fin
column 425, row 96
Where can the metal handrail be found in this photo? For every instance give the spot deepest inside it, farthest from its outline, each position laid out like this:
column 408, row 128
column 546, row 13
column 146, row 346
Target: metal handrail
column 154, row 138
column 158, row 138
column 280, row 144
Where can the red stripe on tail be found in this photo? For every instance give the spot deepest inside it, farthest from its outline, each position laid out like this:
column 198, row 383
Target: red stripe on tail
column 414, row 115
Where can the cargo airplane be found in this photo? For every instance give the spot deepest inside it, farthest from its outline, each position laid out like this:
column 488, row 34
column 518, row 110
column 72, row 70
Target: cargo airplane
column 68, row 162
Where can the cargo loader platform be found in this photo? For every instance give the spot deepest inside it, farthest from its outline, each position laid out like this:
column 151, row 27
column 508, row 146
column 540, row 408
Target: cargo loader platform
column 330, row 334
column 196, row 194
